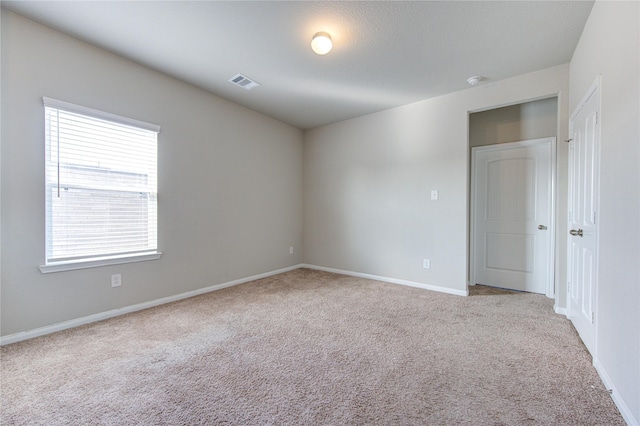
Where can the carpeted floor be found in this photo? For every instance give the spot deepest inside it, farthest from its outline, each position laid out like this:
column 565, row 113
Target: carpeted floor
column 310, row 347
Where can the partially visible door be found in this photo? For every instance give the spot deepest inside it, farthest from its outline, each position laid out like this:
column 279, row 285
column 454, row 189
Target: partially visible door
column 512, row 215
column 583, row 203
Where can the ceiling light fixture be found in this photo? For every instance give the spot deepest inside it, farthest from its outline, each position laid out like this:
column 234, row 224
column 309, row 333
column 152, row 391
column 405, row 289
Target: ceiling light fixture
column 474, row 80
column 321, row 43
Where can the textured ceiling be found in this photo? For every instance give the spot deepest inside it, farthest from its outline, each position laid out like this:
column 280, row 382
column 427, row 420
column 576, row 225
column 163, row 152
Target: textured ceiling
column 385, row 54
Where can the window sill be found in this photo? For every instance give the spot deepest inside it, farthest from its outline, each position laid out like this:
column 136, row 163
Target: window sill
column 97, row 262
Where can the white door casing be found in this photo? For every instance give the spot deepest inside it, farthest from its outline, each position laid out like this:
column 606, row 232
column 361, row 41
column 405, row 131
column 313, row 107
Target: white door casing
column 512, row 220
column 584, row 149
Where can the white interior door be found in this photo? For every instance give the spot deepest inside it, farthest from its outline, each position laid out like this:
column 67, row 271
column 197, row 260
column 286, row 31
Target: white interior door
column 583, row 202
column 512, row 215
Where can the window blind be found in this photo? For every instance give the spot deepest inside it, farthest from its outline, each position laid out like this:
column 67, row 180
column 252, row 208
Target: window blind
column 101, row 184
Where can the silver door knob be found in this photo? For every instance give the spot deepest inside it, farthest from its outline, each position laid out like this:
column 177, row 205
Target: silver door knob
column 576, row 232
column 542, row 227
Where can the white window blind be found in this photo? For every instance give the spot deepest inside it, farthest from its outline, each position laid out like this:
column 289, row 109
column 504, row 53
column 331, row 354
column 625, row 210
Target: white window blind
column 101, row 184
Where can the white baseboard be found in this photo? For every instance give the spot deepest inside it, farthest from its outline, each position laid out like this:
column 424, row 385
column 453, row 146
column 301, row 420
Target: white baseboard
column 624, row 409
column 390, row 280
column 41, row 331
column 561, row 311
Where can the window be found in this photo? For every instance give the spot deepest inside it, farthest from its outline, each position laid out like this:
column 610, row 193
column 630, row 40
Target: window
column 101, row 188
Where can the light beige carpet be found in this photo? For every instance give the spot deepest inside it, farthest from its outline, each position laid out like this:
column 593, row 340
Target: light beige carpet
column 309, row 347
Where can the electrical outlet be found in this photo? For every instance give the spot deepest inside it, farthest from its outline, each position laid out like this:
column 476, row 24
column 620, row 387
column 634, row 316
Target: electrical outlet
column 426, row 263
column 116, row 280
column 290, row 250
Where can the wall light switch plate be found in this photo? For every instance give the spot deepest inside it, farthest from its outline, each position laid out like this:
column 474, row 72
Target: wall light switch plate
column 426, row 263
column 434, row 194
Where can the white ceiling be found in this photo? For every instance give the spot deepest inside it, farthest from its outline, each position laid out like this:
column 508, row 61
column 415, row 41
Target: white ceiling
column 386, row 53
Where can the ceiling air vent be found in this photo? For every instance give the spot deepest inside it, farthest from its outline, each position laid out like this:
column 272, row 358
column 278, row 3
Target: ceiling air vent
column 244, row 82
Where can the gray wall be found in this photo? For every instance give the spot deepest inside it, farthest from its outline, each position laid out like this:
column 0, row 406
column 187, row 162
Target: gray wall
column 529, row 120
column 367, row 183
column 229, row 185
column 610, row 47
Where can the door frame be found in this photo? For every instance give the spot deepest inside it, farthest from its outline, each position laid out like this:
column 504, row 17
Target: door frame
column 550, row 288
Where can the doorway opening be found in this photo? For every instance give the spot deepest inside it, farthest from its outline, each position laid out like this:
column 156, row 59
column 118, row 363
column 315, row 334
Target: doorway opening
column 513, row 164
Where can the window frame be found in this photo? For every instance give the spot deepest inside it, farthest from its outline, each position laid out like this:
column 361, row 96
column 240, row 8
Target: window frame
column 91, row 261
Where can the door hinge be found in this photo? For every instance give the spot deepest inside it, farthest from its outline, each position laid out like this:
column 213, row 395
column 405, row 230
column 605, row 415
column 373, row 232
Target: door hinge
column 568, row 287
column 593, row 317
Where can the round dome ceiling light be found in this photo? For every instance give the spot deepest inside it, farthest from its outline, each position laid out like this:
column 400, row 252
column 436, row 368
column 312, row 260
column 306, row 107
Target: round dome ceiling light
column 321, row 43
